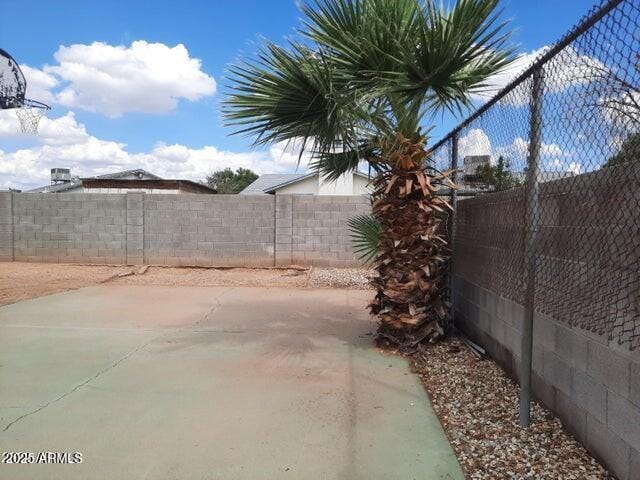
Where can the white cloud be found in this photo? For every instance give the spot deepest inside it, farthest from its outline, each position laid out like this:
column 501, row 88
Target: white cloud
column 9, row 125
column 497, row 82
column 552, row 156
column 556, row 163
column 39, row 84
column 63, row 142
column 474, row 142
column 114, row 80
column 287, row 154
column 179, row 161
column 575, row 168
column 568, row 68
column 517, row 151
column 551, row 149
column 520, row 148
column 56, row 131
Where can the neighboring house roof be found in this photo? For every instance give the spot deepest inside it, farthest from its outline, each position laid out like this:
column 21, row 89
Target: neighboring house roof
column 187, row 186
column 303, row 177
column 271, row 182
column 61, row 187
column 126, row 173
column 77, row 182
column 289, row 182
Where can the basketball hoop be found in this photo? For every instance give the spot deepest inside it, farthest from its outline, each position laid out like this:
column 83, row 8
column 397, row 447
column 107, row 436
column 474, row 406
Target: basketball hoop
column 29, row 115
column 13, row 87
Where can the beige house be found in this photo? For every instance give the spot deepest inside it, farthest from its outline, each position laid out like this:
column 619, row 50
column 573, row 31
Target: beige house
column 355, row 183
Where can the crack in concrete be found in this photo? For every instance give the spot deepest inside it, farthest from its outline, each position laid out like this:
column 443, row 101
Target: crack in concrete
column 217, row 304
column 66, row 394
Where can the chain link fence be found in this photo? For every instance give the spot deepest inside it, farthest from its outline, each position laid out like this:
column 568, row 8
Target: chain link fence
column 553, row 165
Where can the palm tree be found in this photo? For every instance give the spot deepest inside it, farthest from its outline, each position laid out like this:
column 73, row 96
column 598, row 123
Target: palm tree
column 357, row 86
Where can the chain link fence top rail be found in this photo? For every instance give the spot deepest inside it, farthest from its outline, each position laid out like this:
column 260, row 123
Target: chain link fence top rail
column 587, row 215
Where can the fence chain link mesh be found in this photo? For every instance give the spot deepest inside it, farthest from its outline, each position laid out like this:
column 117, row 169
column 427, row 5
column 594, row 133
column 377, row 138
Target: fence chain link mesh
column 587, row 216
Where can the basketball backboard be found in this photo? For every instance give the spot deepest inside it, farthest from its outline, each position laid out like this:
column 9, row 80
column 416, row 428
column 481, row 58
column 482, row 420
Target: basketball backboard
column 13, row 85
column 13, row 90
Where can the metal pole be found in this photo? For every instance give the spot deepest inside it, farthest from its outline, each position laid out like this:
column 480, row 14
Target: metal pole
column 531, row 219
column 452, row 223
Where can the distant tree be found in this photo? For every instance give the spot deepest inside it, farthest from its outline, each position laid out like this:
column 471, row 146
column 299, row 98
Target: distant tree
column 619, row 103
column 498, row 177
column 629, row 151
column 228, row 181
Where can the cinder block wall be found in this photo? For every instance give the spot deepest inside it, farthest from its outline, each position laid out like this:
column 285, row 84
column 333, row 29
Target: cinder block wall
column 591, row 383
column 74, row 227
column 320, row 233
column 156, row 229
column 6, row 227
column 209, row 230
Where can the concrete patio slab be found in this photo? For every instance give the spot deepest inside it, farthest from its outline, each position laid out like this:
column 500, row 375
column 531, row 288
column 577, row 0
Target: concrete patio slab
column 211, row 383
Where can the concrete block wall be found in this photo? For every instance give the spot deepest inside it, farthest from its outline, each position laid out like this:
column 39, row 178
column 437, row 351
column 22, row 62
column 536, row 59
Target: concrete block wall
column 592, row 384
column 587, row 247
column 74, row 227
column 320, row 234
column 209, row 230
column 187, row 229
column 6, row 227
column 135, row 228
column 284, row 230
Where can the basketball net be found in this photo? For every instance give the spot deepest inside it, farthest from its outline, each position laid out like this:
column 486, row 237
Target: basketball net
column 29, row 117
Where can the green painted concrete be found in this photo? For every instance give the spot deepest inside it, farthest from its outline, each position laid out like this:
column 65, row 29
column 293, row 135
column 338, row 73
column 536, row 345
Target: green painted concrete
column 211, row 383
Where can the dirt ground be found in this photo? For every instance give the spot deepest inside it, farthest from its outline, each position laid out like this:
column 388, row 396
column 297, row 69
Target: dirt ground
column 21, row 281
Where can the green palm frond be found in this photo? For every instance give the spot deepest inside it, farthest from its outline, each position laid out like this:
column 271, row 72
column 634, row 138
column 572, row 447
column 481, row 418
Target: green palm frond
column 365, row 70
column 367, row 38
column 365, row 236
column 331, row 165
column 456, row 52
column 289, row 94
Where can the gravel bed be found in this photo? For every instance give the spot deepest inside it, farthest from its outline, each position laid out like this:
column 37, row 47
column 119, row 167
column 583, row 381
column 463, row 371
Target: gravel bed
column 352, row 278
column 355, row 278
column 478, row 407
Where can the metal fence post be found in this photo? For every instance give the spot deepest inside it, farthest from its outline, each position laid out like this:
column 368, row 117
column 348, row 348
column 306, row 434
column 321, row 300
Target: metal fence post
column 531, row 225
column 454, row 178
column 452, row 223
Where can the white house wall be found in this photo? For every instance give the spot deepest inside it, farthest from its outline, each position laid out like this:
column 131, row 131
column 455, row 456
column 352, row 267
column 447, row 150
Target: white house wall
column 361, row 185
column 345, row 185
column 342, row 186
column 308, row 186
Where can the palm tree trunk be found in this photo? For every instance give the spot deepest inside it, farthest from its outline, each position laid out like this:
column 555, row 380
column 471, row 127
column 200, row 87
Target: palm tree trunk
column 411, row 262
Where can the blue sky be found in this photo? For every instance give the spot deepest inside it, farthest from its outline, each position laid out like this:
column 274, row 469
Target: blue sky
column 186, row 137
